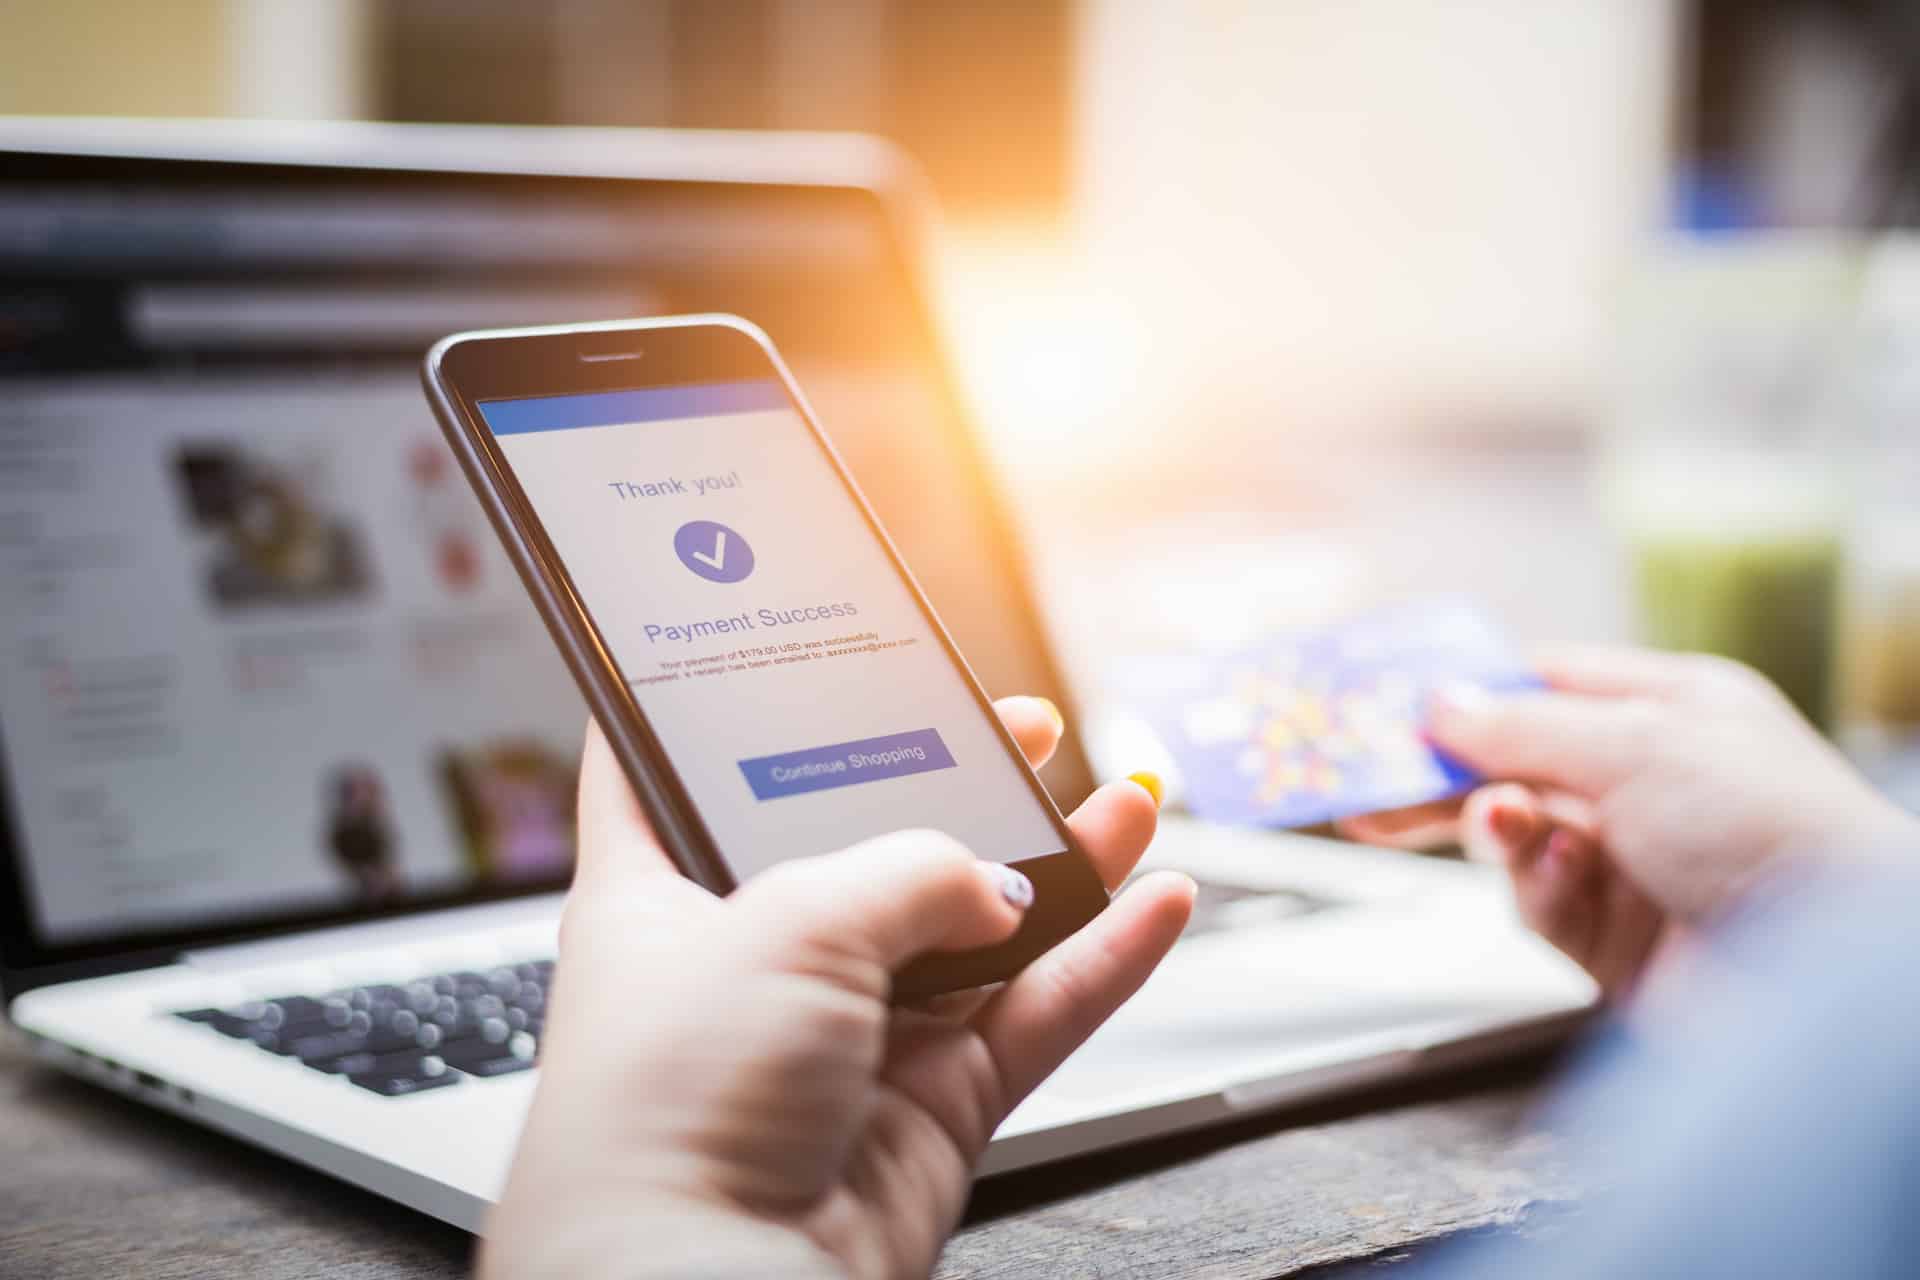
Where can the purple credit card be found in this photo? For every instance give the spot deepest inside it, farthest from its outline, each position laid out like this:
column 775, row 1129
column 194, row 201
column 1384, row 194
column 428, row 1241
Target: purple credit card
column 1321, row 724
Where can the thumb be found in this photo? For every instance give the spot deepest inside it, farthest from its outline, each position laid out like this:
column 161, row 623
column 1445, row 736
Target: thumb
column 613, row 837
column 887, row 900
column 1584, row 745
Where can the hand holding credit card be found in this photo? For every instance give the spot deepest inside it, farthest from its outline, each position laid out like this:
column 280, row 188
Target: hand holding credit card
column 1321, row 724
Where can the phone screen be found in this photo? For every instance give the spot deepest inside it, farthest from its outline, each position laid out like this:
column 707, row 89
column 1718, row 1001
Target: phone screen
column 799, row 689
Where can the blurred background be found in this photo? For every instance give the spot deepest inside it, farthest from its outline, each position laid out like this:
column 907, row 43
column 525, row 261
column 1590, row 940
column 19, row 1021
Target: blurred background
column 1604, row 314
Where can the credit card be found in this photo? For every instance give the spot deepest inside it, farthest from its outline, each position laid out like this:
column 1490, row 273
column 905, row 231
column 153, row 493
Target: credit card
column 1325, row 723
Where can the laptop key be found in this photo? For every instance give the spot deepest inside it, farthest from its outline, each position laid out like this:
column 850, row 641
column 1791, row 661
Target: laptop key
column 327, row 1046
column 468, row 985
column 397, row 1075
column 288, row 1010
column 375, row 994
column 363, row 1063
column 478, row 1058
column 336, row 1044
column 284, row 1042
column 482, row 1057
column 358, row 1062
column 401, row 1086
column 231, row 1024
column 394, row 1037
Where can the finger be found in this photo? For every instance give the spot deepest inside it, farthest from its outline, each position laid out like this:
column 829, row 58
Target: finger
column 1508, row 815
column 1576, row 897
column 1564, row 809
column 1420, row 826
column 1581, row 744
column 1558, row 894
column 1633, row 929
column 1036, row 724
column 613, row 835
column 1115, row 825
column 950, row 1006
column 1547, row 845
column 1620, row 672
column 1059, row 1000
column 884, row 901
column 1503, row 825
column 1508, row 825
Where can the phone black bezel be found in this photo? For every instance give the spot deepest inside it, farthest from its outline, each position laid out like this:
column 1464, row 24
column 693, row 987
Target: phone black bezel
column 466, row 369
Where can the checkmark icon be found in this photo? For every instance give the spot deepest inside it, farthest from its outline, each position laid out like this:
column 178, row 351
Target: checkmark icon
column 713, row 551
column 718, row 560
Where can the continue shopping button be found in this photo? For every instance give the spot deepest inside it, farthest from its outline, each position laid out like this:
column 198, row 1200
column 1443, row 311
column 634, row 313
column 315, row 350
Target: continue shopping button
column 846, row 764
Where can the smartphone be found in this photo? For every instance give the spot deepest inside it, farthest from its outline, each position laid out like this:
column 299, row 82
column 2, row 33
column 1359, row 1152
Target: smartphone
column 772, row 679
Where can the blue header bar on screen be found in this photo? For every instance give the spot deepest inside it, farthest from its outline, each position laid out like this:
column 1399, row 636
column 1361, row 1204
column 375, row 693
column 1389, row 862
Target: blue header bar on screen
column 650, row 404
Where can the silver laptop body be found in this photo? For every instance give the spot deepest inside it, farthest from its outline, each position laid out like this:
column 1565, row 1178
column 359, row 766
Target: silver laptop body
column 287, row 756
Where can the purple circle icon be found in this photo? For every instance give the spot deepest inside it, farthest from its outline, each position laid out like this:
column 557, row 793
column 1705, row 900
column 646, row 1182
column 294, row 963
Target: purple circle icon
column 713, row 551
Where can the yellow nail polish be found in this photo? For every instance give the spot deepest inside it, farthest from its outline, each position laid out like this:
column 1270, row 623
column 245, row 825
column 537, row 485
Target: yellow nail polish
column 1151, row 784
column 1059, row 721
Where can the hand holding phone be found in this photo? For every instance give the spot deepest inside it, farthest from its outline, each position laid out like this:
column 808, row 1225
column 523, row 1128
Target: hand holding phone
column 781, row 1005
column 769, row 676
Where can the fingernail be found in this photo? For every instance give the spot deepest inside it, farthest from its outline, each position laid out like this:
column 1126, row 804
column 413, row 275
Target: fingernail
column 1512, row 823
column 1013, row 885
column 1151, row 784
column 1053, row 712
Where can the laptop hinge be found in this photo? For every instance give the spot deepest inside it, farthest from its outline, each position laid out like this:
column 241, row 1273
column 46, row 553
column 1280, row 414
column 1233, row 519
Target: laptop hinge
column 366, row 935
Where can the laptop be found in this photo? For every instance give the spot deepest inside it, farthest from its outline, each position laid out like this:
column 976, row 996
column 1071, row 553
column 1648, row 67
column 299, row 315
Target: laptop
column 286, row 758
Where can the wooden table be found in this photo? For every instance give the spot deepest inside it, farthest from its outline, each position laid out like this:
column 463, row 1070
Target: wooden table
column 92, row 1185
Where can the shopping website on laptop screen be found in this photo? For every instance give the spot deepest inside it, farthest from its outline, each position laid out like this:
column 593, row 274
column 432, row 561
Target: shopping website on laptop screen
column 260, row 653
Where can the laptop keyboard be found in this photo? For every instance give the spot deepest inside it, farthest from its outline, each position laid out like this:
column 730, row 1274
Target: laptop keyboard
column 400, row 1039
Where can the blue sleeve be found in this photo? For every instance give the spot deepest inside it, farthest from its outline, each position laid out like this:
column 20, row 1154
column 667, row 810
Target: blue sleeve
column 1771, row 1131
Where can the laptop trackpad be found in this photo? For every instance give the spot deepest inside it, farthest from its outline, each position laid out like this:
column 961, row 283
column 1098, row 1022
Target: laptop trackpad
column 1240, row 1004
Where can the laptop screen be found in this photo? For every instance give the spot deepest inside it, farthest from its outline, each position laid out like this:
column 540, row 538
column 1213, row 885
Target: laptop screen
column 261, row 661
